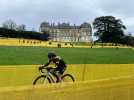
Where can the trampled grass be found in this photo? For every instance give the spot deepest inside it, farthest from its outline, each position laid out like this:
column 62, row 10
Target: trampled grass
column 25, row 74
column 114, row 89
column 22, row 55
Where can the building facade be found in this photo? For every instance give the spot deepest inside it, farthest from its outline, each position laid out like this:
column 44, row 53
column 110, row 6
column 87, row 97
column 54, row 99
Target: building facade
column 65, row 32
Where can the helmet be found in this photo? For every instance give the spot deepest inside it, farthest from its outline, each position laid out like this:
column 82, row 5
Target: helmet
column 51, row 55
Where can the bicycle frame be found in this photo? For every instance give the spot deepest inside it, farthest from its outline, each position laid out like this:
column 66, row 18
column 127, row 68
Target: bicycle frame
column 48, row 74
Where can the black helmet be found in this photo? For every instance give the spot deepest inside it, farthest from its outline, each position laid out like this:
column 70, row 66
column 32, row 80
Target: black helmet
column 51, row 55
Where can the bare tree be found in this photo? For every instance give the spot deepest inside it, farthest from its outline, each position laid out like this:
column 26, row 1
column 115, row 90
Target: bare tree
column 9, row 24
column 21, row 27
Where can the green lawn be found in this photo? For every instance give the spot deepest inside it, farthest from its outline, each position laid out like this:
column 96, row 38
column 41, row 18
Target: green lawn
column 11, row 55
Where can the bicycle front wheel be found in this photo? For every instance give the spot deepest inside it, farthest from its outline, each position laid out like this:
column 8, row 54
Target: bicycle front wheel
column 41, row 80
column 67, row 78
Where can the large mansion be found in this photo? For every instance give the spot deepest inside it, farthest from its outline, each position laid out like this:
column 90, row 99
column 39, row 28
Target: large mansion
column 67, row 33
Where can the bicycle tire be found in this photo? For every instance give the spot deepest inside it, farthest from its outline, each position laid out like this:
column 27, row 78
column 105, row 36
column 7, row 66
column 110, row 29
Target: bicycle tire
column 42, row 77
column 69, row 78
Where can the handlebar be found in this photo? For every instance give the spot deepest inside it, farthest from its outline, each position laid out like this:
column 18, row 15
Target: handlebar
column 40, row 70
column 46, row 68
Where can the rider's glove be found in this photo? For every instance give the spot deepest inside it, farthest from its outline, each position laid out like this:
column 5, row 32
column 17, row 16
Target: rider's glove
column 40, row 68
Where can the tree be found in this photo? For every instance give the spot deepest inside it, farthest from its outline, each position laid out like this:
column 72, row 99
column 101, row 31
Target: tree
column 108, row 29
column 9, row 24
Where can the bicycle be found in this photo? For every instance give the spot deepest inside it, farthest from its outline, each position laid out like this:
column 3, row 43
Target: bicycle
column 47, row 77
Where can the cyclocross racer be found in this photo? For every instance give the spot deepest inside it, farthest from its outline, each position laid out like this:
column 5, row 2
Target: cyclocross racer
column 59, row 63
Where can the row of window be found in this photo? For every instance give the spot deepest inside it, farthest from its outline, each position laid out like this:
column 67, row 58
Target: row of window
column 65, row 30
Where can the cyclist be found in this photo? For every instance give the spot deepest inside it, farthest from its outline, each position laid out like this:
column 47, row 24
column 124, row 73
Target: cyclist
column 59, row 63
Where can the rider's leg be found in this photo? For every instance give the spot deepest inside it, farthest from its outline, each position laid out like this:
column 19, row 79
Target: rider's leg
column 55, row 74
column 60, row 73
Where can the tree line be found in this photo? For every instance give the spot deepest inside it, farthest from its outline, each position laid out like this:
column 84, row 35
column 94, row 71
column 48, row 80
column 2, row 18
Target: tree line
column 10, row 29
column 9, row 33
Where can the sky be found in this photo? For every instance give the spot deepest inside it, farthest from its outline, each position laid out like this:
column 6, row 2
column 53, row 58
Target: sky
column 33, row 12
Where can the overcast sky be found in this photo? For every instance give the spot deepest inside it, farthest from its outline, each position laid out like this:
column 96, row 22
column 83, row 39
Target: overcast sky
column 33, row 12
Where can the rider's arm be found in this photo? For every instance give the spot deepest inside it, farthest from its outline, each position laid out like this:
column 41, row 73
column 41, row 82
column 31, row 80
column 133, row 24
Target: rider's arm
column 47, row 63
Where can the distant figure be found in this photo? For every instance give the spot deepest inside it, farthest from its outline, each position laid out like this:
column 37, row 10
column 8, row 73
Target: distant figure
column 23, row 41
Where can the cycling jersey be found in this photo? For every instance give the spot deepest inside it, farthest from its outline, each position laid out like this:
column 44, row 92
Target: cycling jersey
column 59, row 63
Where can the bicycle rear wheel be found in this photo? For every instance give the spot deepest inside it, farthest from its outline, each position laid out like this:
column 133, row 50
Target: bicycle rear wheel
column 41, row 80
column 67, row 78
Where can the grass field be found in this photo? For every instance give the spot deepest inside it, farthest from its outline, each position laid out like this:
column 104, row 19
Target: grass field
column 79, row 57
column 21, row 55
column 103, row 70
